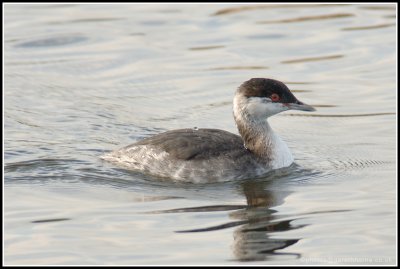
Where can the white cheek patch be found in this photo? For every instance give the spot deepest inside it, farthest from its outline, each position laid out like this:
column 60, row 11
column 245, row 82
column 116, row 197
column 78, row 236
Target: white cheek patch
column 256, row 107
column 263, row 107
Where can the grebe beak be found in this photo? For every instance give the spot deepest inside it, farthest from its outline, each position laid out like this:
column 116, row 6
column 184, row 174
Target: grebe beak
column 300, row 106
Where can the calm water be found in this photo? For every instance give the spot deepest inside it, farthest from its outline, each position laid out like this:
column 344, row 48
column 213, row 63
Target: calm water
column 81, row 80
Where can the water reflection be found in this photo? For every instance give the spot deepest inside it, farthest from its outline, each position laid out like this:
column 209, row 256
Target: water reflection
column 312, row 59
column 53, row 41
column 253, row 241
column 207, row 47
column 238, row 68
column 368, row 27
column 257, row 224
column 311, row 18
column 232, row 10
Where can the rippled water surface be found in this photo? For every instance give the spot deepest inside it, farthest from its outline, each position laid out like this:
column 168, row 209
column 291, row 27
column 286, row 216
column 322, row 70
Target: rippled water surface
column 81, row 80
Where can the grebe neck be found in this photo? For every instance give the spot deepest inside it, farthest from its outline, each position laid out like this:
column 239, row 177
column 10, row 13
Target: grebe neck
column 258, row 136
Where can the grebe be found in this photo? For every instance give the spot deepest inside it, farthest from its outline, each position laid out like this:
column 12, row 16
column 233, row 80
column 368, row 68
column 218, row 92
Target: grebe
column 207, row 155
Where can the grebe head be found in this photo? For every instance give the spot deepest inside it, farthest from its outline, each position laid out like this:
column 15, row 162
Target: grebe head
column 260, row 98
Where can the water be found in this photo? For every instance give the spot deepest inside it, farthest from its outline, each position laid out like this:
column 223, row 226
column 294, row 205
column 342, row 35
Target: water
column 81, row 80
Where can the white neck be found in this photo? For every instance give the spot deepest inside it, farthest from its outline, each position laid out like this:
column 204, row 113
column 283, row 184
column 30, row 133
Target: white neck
column 259, row 138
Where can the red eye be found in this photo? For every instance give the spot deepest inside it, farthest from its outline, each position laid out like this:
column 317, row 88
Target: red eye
column 274, row 97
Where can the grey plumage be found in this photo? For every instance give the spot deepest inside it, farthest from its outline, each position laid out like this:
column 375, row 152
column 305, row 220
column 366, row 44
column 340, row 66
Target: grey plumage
column 199, row 155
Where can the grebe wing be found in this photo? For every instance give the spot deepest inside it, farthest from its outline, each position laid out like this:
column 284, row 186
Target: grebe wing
column 195, row 144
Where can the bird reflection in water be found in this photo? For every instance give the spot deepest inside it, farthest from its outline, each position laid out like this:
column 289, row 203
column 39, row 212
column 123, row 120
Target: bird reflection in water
column 255, row 222
column 253, row 240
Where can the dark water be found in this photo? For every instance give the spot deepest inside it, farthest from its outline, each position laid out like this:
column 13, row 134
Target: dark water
column 80, row 80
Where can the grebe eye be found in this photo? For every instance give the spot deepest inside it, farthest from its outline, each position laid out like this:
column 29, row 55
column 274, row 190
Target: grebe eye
column 274, row 97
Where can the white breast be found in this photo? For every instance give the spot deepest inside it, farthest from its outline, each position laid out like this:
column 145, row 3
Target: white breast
column 281, row 157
